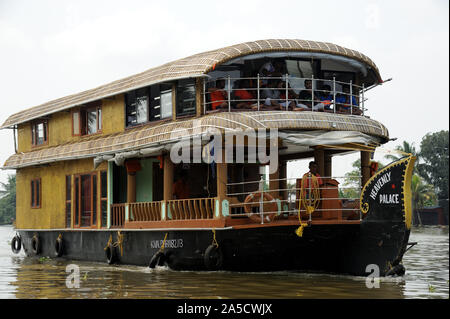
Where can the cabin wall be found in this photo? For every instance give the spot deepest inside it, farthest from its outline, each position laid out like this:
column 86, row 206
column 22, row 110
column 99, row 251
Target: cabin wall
column 51, row 213
column 60, row 126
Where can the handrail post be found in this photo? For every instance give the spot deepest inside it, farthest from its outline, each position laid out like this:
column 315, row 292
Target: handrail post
column 312, row 92
column 257, row 81
column 362, row 99
column 261, row 199
column 351, row 97
column 286, row 80
column 204, row 96
column 229, row 93
column 334, row 93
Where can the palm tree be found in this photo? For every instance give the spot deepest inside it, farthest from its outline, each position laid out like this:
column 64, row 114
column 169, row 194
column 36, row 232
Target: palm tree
column 422, row 194
column 8, row 200
column 402, row 149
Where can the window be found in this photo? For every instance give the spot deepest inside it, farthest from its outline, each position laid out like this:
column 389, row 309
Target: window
column 166, row 104
column 137, row 107
column 87, row 120
column 186, row 98
column 68, row 201
column 85, row 200
column 148, row 104
column 36, row 193
column 104, row 198
column 39, row 133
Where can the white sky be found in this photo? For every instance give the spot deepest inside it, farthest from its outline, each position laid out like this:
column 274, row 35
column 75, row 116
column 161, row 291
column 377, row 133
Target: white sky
column 50, row 49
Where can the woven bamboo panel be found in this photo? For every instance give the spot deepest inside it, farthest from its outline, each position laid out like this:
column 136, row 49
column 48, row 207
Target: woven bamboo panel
column 194, row 66
column 149, row 135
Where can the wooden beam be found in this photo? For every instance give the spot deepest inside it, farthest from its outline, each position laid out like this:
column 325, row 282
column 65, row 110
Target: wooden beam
column 168, row 178
column 365, row 167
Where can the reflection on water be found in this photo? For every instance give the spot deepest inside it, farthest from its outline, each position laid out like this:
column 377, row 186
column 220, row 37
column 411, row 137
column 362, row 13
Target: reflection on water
column 427, row 275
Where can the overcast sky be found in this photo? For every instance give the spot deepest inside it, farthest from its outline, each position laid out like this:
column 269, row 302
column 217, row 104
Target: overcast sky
column 50, row 49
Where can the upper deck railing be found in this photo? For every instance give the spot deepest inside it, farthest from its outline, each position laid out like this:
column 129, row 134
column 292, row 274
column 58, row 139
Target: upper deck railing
column 283, row 93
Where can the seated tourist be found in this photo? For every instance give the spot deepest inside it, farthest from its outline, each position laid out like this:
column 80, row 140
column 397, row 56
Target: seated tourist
column 218, row 95
column 343, row 104
column 305, row 101
column 271, row 96
column 245, row 97
column 326, row 97
column 291, row 96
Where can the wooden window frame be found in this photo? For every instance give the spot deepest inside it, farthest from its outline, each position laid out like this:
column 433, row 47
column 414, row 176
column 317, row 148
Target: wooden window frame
column 36, row 190
column 68, row 200
column 34, row 125
column 83, row 120
column 102, row 199
column 79, row 204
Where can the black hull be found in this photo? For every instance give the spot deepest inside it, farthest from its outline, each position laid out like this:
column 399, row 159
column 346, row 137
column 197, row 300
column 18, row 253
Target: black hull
column 343, row 249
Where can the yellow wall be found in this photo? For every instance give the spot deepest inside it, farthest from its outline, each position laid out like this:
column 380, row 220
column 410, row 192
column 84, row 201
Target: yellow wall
column 53, row 193
column 60, row 125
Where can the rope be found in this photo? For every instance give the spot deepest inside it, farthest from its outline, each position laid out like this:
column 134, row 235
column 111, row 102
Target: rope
column 163, row 244
column 310, row 203
column 118, row 243
column 214, row 242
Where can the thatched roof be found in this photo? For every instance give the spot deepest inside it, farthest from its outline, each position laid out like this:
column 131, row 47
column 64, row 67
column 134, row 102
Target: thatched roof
column 149, row 136
column 194, row 66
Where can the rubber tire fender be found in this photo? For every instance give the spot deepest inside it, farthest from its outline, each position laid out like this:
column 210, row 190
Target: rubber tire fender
column 59, row 247
column 158, row 259
column 213, row 257
column 16, row 244
column 36, row 245
column 110, row 254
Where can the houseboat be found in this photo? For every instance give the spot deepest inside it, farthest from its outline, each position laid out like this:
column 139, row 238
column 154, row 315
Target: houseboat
column 185, row 165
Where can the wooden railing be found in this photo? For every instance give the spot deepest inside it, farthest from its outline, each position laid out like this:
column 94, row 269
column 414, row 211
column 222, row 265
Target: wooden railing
column 147, row 211
column 117, row 215
column 195, row 208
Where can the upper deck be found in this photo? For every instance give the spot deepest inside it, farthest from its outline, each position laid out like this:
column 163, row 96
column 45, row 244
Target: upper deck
column 144, row 110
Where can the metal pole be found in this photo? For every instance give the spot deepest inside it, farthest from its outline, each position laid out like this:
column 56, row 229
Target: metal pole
column 312, row 92
column 362, row 99
column 258, row 90
column 309, row 197
column 334, row 93
column 286, row 79
column 204, row 96
column 261, row 199
column 229, row 94
column 351, row 97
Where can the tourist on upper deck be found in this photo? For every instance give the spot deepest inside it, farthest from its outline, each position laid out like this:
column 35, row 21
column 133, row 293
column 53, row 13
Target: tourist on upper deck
column 218, row 95
column 275, row 68
column 291, row 96
column 244, row 95
column 180, row 187
column 271, row 95
column 306, row 100
column 326, row 97
column 343, row 102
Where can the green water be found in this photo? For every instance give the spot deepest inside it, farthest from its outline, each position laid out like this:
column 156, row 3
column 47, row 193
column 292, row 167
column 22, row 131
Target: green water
column 427, row 276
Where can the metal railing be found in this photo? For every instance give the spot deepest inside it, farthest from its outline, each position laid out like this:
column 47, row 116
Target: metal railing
column 284, row 93
column 332, row 203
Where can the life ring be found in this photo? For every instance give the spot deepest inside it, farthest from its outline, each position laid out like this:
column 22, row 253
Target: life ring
column 16, row 244
column 59, row 246
column 157, row 259
column 110, row 253
column 36, row 245
column 269, row 205
column 213, row 257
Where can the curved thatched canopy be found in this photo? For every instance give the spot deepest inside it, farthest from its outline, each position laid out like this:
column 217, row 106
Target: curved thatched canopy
column 153, row 136
column 190, row 67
